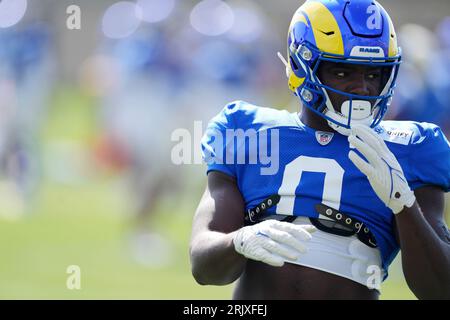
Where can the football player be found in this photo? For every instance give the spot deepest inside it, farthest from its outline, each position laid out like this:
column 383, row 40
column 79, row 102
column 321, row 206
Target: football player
column 26, row 82
column 142, row 93
column 350, row 191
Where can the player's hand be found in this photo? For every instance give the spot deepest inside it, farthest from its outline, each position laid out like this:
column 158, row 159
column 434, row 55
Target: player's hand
column 382, row 169
column 272, row 241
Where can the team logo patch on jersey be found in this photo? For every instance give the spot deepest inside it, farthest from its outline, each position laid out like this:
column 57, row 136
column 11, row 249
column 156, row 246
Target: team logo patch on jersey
column 323, row 137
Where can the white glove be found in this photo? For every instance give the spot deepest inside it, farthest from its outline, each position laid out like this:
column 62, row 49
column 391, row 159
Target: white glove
column 272, row 241
column 382, row 169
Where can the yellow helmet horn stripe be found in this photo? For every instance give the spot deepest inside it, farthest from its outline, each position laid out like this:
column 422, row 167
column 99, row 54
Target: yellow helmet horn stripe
column 322, row 21
column 393, row 47
column 294, row 81
column 298, row 17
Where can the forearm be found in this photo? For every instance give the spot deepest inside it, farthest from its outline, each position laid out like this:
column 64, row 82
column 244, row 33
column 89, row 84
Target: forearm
column 214, row 260
column 425, row 257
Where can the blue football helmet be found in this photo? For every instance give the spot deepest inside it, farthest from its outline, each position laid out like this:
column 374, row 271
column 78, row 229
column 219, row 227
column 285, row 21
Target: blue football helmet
column 341, row 31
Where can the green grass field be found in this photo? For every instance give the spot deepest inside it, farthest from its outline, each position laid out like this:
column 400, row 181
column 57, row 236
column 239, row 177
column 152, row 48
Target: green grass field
column 83, row 223
column 84, row 226
column 80, row 226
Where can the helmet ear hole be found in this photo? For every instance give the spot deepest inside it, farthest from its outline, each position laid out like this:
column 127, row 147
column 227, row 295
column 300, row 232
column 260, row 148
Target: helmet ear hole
column 293, row 64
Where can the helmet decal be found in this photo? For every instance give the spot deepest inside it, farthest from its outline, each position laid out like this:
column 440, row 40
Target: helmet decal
column 327, row 34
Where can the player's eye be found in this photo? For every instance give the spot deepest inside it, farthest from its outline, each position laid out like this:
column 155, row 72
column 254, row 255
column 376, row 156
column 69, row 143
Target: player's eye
column 373, row 76
column 340, row 74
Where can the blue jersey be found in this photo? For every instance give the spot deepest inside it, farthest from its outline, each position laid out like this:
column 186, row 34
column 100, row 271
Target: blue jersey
column 243, row 141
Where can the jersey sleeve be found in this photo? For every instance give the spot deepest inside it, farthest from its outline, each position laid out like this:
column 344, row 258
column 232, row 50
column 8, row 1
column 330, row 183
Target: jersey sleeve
column 430, row 158
column 218, row 151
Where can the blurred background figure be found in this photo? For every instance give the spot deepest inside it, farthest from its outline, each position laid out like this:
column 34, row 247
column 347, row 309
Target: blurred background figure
column 439, row 75
column 424, row 80
column 26, row 78
column 163, row 77
column 87, row 117
column 135, row 119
